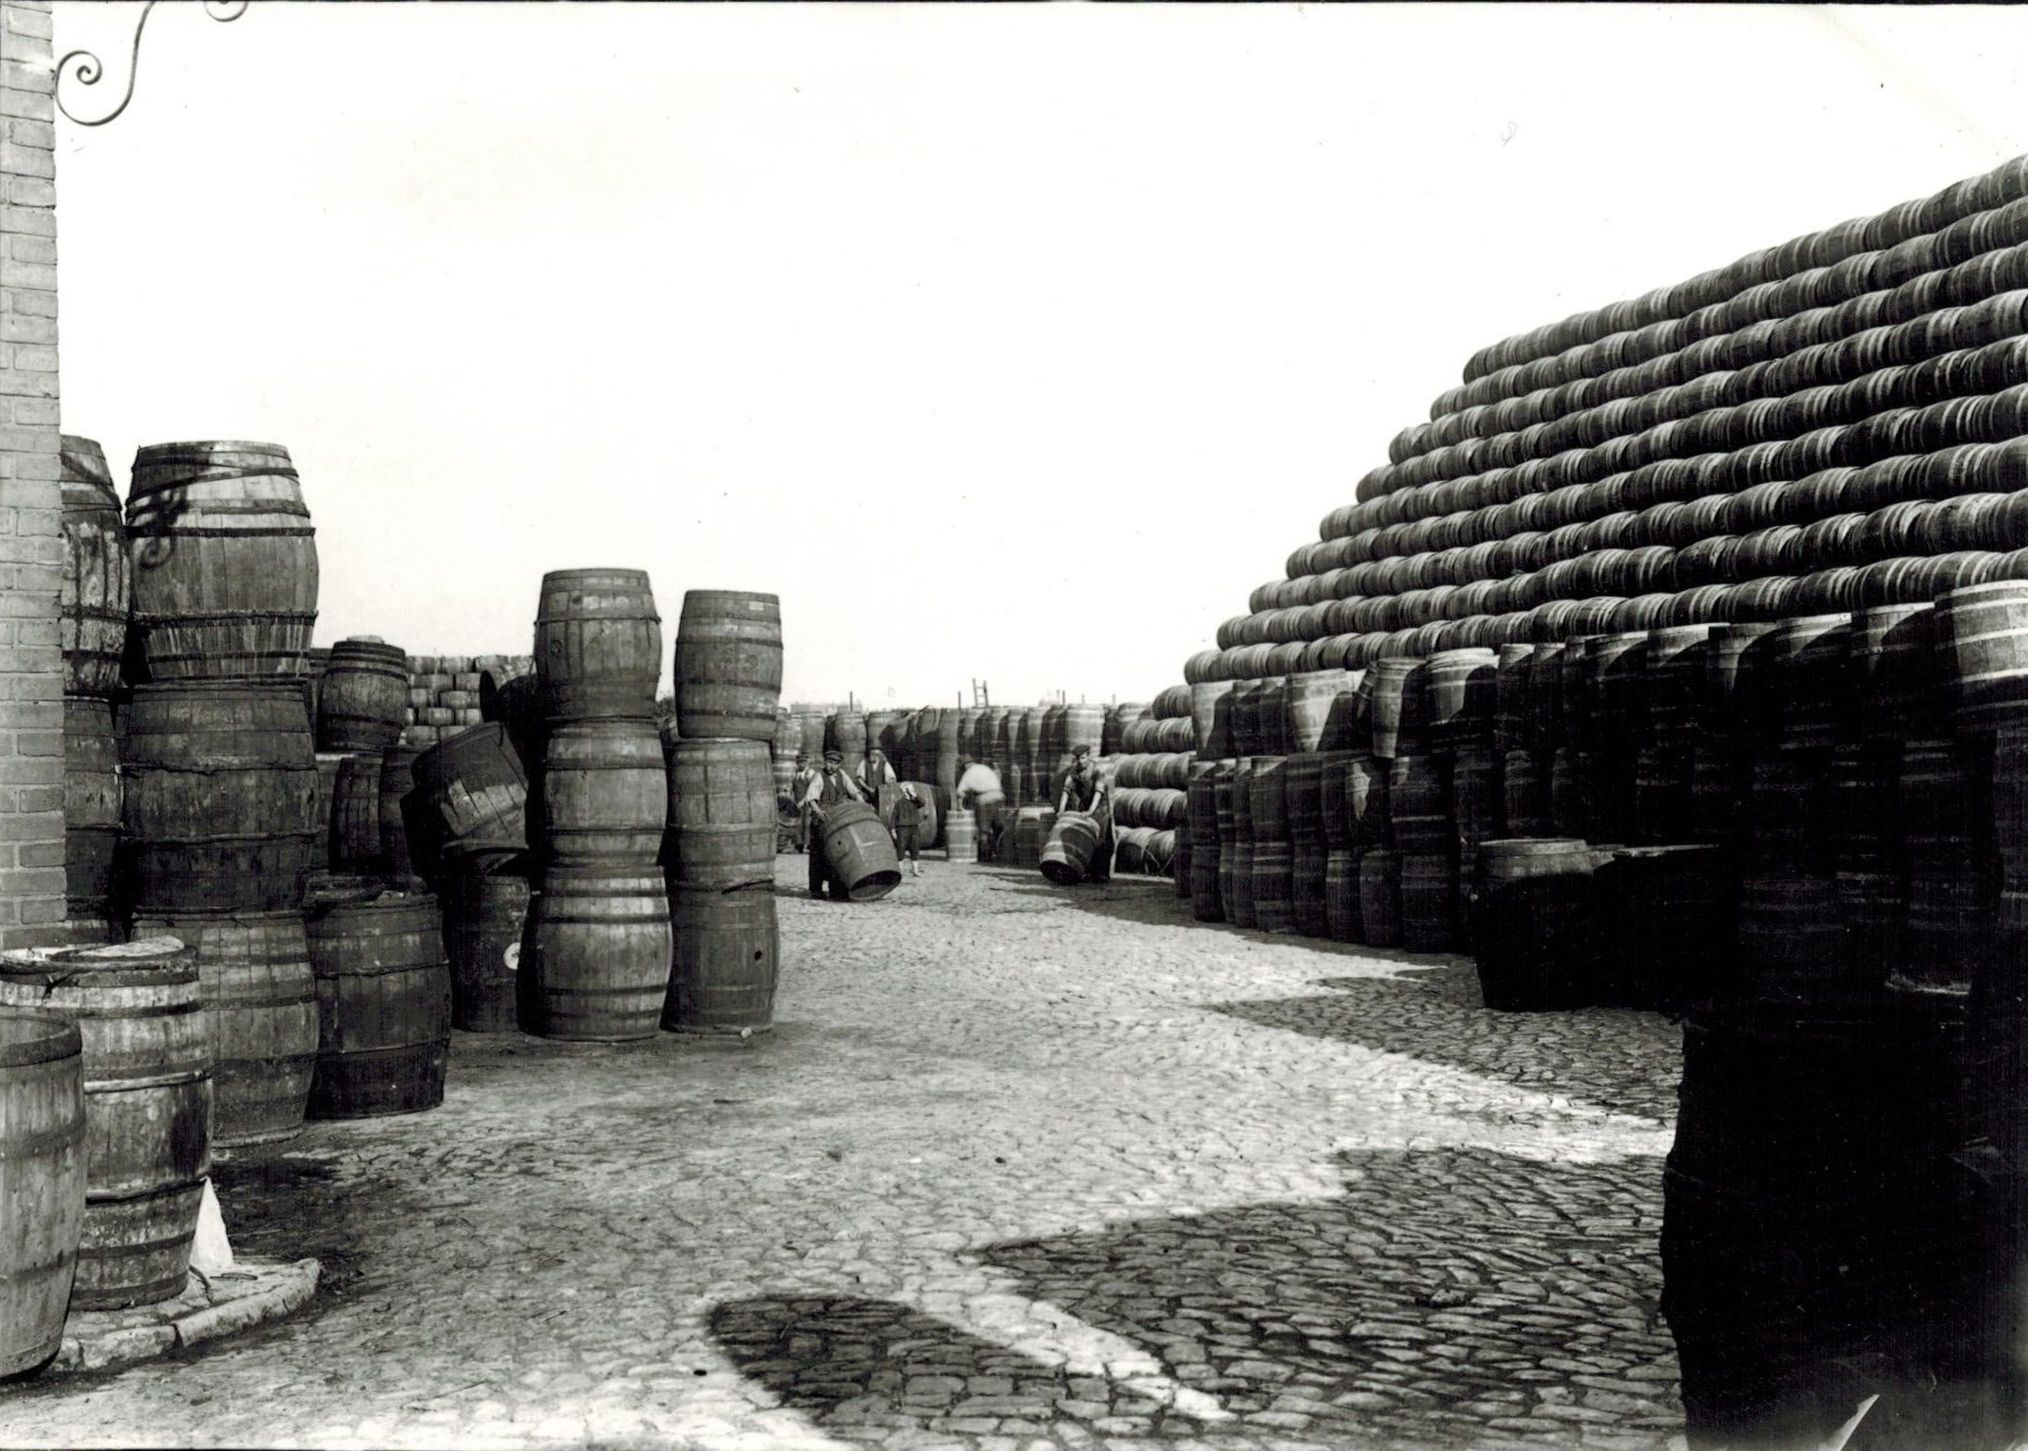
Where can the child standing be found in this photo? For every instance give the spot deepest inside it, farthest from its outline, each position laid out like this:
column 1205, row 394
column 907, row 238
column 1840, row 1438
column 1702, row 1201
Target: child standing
column 907, row 813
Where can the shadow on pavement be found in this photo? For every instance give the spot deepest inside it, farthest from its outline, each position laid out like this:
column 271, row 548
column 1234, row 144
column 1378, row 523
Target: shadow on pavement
column 868, row 1370
column 1624, row 1061
column 1447, row 1298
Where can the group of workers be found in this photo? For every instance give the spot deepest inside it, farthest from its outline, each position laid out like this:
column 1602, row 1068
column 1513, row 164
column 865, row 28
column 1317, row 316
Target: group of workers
column 816, row 791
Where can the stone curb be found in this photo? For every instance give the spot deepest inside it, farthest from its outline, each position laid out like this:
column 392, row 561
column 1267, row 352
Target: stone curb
column 259, row 1291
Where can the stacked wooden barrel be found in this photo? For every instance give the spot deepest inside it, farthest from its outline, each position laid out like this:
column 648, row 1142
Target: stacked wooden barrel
column 219, row 781
column 1704, row 530
column 595, row 954
column 446, row 693
column 719, row 851
column 93, row 593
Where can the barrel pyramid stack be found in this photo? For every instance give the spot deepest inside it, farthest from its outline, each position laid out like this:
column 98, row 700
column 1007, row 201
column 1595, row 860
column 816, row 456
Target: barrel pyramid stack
column 1680, row 659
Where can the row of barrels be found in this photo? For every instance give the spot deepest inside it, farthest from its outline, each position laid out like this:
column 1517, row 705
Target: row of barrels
column 1953, row 310
column 1669, row 360
column 1906, row 580
column 1953, row 498
column 1824, row 249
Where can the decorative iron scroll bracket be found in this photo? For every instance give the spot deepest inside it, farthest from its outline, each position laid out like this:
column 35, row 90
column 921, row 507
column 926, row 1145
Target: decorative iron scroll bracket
column 86, row 69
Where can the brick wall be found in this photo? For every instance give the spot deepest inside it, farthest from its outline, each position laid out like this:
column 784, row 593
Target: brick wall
column 31, row 538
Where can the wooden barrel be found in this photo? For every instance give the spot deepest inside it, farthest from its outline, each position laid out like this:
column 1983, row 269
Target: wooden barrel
column 1792, row 938
column 845, row 733
column 1544, row 702
column 1334, row 807
column 1270, row 717
column 1738, row 703
column 1539, row 930
column 1475, row 794
column 1400, row 705
column 1462, row 691
column 1982, row 631
column 224, row 561
column 397, row 779
column 813, row 725
column 596, row 955
column 484, row 914
column 383, row 1000
column 598, row 645
column 1511, row 677
column 329, row 764
column 728, row 664
column 1321, row 711
column 1341, row 895
column 1309, row 866
column 362, row 697
column 1211, row 718
column 1677, row 662
column 517, row 704
column 1302, row 798
column 1067, row 855
column 219, row 796
column 861, row 852
column 1668, row 922
column 1429, row 900
column 147, row 1092
column 1897, row 684
column 1418, row 804
column 929, row 823
column 1812, row 686
column 1524, row 795
column 1366, row 801
column 1272, row 877
column 91, row 808
column 1661, row 804
column 355, row 816
column 94, row 593
column 728, row 952
column 470, row 799
column 42, row 1164
column 1812, row 1243
column 1024, row 840
column 606, row 793
column 961, row 836
column 1380, row 897
column 1208, row 868
column 1267, row 812
column 260, row 1009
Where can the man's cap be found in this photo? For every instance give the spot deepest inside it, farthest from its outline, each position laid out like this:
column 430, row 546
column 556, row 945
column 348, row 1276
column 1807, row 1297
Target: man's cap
column 834, row 756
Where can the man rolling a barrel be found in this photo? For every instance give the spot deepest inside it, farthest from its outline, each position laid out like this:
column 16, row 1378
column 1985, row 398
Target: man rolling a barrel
column 980, row 792
column 828, row 788
column 1086, row 789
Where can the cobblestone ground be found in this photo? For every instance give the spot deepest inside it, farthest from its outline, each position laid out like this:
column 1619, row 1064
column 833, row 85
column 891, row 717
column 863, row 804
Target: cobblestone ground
column 1019, row 1168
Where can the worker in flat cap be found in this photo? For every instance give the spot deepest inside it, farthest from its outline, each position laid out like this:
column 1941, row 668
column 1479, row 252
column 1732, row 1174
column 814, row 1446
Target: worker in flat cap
column 830, row 787
column 1087, row 788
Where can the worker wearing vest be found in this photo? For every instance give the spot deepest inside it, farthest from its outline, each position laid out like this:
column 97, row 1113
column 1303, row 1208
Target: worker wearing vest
column 1086, row 789
column 827, row 789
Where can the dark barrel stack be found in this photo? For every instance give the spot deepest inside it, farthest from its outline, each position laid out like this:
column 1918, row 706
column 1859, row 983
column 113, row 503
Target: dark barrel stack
column 221, row 795
column 718, row 853
column 596, row 951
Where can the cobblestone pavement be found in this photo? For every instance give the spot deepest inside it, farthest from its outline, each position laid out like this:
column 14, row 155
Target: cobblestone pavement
column 1019, row 1168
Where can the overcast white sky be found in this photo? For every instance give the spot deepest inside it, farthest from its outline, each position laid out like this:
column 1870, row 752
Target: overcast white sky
column 1017, row 343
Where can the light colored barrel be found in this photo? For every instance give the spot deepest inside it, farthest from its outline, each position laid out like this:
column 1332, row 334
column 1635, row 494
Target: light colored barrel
column 605, row 793
column 728, row 664
column 1983, row 630
column 1067, row 855
column 595, row 955
column 383, row 1002
column 94, row 592
column 720, row 809
column 728, row 954
column 260, row 1008
column 598, row 644
column 860, row 851
column 961, row 837
column 147, row 1089
column 362, row 696
column 224, row 561
column 42, row 1180
column 218, row 796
